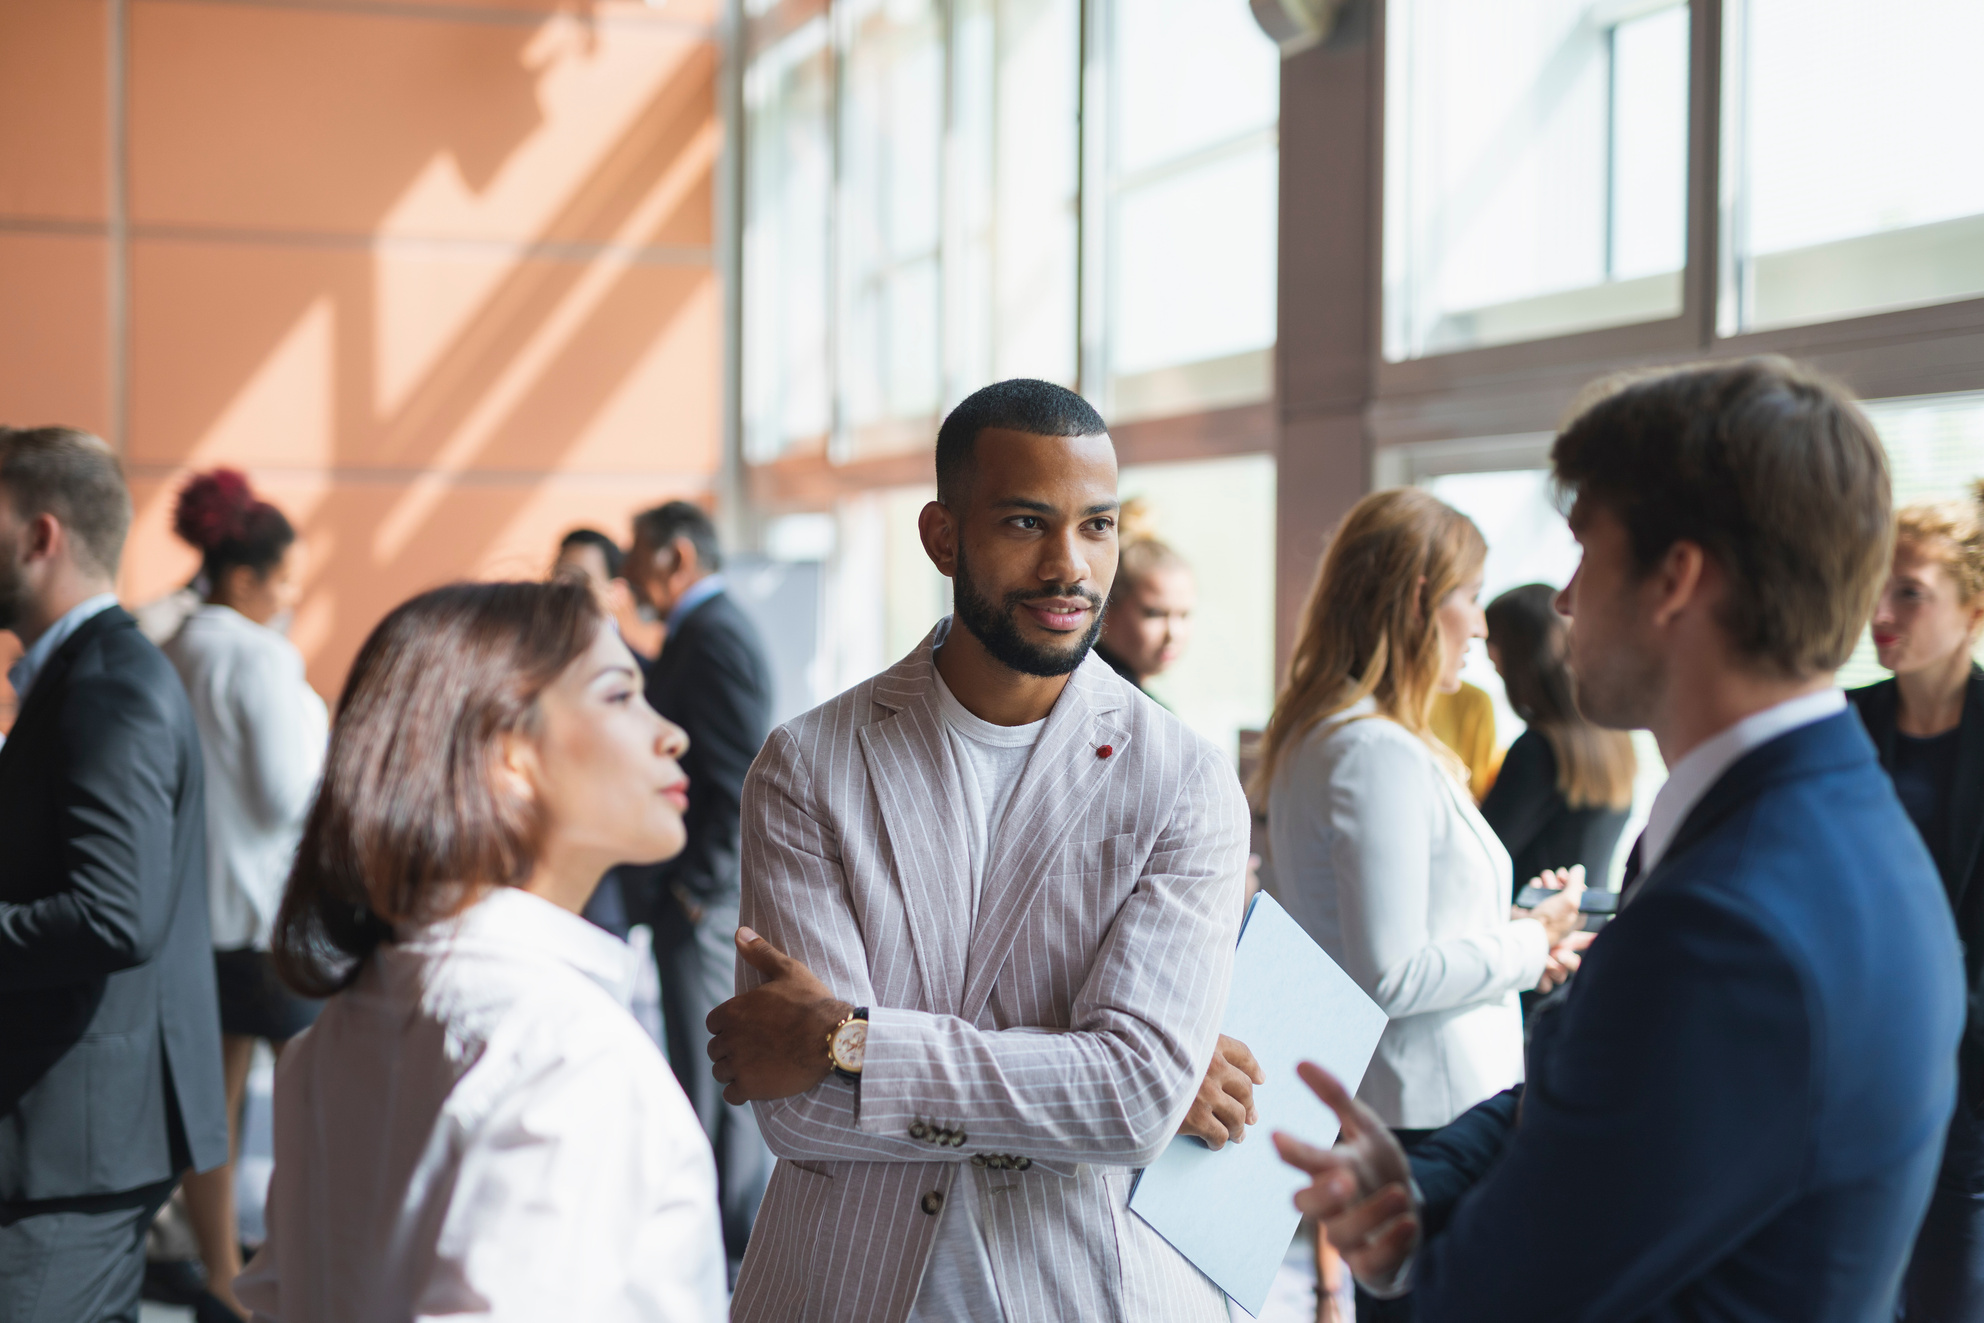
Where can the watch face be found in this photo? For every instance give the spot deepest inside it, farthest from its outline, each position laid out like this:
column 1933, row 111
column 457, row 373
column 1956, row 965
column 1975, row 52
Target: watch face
column 851, row 1045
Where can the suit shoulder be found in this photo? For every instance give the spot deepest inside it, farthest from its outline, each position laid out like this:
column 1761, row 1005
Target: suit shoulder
column 838, row 717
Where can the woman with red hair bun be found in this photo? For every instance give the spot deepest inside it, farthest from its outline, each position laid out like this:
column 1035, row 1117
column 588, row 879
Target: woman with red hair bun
column 263, row 732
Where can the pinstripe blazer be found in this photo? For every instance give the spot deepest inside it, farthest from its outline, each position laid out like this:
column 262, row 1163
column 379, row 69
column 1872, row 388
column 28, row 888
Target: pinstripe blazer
column 1030, row 1061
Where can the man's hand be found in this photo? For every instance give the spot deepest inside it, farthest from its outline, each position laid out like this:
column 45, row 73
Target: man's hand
column 1361, row 1190
column 772, row 1041
column 1225, row 1105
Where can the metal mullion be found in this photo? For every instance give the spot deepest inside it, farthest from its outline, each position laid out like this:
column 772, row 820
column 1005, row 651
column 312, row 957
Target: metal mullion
column 1701, row 279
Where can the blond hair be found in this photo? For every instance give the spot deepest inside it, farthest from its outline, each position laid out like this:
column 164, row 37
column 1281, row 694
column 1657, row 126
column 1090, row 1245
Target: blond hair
column 1950, row 532
column 1368, row 629
column 1142, row 552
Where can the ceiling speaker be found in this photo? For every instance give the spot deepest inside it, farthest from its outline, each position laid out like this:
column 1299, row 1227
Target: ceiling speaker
column 1296, row 25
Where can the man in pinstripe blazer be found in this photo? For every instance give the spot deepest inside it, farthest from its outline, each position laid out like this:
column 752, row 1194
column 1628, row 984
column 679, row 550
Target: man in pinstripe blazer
column 1038, row 962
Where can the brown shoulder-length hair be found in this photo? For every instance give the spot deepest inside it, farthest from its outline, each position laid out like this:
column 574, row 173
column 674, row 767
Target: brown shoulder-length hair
column 411, row 821
column 1368, row 628
column 1595, row 767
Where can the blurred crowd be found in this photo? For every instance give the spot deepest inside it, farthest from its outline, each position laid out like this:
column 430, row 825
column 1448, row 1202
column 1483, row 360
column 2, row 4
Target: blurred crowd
column 942, row 962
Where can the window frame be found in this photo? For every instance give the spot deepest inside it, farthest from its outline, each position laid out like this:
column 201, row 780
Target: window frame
column 1517, row 388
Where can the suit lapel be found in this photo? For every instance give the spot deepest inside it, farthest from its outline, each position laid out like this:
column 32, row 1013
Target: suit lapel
column 922, row 802
column 44, row 697
column 1967, row 826
column 1063, row 775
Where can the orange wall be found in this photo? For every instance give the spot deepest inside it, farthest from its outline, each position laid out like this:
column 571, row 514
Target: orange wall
column 439, row 275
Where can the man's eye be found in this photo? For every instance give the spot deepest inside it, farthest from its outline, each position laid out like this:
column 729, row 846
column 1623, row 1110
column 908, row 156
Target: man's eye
column 1027, row 522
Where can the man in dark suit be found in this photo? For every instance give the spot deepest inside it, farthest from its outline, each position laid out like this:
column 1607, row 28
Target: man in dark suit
column 1736, row 1110
column 712, row 680
column 110, row 1074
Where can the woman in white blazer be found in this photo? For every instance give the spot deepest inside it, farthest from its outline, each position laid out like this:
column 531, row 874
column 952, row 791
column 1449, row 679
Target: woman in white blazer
column 1377, row 847
column 262, row 734
column 476, row 1127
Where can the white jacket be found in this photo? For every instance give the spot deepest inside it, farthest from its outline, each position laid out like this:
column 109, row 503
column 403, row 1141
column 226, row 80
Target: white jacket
column 1381, row 856
column 477, row 1131
column 263, row 730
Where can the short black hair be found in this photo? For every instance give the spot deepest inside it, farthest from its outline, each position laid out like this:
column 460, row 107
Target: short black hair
column 609, row 550
column 660, row 527
column 1021, row 405
column 73, row 475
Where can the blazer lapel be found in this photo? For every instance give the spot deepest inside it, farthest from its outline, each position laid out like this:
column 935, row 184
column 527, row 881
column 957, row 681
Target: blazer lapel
column 43, row 696
column 922, row 801
column 1967, row 827
column 1063, row 775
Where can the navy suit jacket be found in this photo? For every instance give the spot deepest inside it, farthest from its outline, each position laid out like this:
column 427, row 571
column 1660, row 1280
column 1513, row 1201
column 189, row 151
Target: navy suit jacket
column 1737, row 1110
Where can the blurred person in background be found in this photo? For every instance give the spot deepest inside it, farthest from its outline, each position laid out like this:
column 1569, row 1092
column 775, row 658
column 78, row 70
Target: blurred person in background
column 110, row 1063
column 599, row 561
column 1928, row 724
column 1464, row 721
column 1379, row 851
column 262, row 733
column 1737, row 1108
column 1148, row 624
column 588, row 556
column 476, row 1125
column 713, row 680
column 1566, row 786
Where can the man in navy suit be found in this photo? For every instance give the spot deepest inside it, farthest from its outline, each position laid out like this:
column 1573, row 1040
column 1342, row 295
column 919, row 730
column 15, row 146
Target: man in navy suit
column 1737, row 1108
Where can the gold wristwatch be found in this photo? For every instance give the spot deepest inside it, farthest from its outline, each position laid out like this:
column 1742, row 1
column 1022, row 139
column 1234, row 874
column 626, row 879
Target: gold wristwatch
column 848, row 1044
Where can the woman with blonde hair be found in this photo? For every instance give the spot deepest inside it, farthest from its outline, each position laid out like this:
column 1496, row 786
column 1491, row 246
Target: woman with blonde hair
column 1378, row 848
column 1928, row 724
column 1148, row 624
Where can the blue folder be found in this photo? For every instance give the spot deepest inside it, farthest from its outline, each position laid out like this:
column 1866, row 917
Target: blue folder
column 1232, row 1212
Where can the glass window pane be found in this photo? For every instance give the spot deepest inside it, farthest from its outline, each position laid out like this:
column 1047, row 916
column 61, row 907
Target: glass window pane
column 1535, row 169
column 890, row 222
column 1218, row 515
column 1189, row 254
column 1037, row 189
column 1853, row 162
column 787, row 195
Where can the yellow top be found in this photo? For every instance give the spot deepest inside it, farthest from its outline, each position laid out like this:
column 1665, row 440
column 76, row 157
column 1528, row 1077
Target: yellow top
column 1465, row 723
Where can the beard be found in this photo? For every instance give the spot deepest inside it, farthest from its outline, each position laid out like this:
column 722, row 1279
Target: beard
column 996, row 625
column 1617, row 682
column 13, row 586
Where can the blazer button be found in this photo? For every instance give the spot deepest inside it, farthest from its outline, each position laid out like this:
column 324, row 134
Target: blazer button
column 978, row 1159
column 1022, row 1163
column 957, row 1139
column 931, row 1202
column 918, row 1130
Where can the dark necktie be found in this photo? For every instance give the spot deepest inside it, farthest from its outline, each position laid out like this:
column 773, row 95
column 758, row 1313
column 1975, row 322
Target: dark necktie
column 1630, row 881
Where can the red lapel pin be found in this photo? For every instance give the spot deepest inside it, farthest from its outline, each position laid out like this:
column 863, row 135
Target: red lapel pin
column 1104, row 751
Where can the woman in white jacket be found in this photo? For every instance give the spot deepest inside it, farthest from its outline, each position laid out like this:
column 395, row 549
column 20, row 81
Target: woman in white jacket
column 262, row 735
column 1378, row 849
column 476, row 1128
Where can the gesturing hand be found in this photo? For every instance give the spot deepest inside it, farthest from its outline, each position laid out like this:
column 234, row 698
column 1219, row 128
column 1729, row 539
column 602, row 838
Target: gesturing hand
column 1361, row 1190
column 772, row 1041
column 1225, row 1105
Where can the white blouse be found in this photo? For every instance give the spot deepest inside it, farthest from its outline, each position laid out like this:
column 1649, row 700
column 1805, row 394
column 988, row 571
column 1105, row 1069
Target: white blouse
column 263, row 733
column 478, row 1130
column 1381, row 856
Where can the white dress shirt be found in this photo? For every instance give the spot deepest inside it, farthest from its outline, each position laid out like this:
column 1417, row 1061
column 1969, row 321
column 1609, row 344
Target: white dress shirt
column 25, row 671
column 477, row 1129
column 263, row 731
column 1381, row 856
column 1702, row 766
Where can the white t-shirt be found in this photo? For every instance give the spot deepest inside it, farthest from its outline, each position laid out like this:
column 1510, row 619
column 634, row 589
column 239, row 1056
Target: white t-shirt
column 957, row 1279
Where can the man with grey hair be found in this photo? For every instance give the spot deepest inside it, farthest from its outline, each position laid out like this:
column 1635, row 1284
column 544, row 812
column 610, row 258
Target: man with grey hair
column 110, row 1078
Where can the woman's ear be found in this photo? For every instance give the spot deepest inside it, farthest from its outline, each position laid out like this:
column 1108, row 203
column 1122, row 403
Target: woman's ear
column 517, row 766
